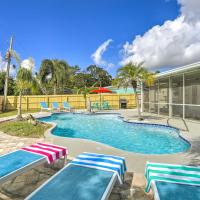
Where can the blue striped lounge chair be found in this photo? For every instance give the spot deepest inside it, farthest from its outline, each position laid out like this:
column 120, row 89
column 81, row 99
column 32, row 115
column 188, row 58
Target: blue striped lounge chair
column 89, row 176
column 44, row 106
column 20, row 161
column 55, row 106
column 173, row 182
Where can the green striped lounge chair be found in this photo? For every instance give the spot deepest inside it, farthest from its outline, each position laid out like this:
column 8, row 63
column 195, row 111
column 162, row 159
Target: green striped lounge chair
column 88, row 177
column 173, row 182
column 20, row 161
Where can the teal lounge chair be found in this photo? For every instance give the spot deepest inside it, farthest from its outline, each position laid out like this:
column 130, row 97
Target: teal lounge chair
column 55, row 106
column 105, row 105
column 17, row 162
column 87, row 177
column 44, row 106
column 66, row 106
column 173, row 182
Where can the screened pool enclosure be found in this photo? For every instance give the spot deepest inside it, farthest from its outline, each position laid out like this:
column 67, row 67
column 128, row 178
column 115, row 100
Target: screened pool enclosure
column 176, row 93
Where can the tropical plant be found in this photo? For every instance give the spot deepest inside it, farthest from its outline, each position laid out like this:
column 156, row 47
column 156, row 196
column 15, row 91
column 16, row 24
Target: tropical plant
column 54, row 73
column 24, row 81
column 85, row 91
column 133, row 74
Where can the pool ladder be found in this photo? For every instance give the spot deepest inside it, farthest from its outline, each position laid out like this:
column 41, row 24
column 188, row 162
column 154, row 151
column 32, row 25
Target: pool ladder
column 184, row 122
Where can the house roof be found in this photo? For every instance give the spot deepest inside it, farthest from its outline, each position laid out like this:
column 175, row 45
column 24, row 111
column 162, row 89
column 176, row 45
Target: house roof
column 180, row 70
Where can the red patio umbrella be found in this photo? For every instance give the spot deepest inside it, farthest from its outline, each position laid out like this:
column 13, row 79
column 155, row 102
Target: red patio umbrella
column 101, row 90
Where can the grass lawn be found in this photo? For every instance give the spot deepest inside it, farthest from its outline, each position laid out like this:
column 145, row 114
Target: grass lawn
column 14, row 112
column 24, row 129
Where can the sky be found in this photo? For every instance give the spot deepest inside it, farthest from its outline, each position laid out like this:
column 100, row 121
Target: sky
column 110, row 33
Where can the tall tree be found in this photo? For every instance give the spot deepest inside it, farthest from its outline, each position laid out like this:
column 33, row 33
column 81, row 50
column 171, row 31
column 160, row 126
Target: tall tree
column 83, row 79
column 133, row 74
column 54, row 73
column 11, row 84
column 100, row 75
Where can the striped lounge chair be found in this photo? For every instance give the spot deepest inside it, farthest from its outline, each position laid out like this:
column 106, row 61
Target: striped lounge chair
column 88, row 177
column 173, row 182
column 22, row 160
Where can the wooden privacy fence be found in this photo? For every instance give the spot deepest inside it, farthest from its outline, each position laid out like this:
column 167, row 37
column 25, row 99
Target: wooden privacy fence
column 76, row 101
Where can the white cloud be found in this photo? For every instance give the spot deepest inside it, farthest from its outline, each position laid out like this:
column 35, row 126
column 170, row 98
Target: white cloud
column 174, row 43
column 190, row 9
column 28, row 63
column 97, row 56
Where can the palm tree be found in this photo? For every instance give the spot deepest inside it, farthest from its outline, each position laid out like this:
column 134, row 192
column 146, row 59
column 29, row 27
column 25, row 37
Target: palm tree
column 133, row 75
column 85, row 91
column 54, row 73
column 24, row 81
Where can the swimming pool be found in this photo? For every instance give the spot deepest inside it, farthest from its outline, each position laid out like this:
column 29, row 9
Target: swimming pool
column 111, row 130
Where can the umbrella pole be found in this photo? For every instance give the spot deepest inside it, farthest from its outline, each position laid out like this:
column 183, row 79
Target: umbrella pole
column 100, row 101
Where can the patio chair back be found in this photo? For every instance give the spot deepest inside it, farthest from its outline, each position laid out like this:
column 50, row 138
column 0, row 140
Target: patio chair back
column 44, row 105
column 66, row 105
column 55, row 105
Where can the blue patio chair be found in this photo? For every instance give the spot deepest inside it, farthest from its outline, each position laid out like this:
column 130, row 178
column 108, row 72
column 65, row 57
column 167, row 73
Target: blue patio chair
column 55, row 106
column 173, row 182
column 66, row 106
column 88, row 177
column 44, row 106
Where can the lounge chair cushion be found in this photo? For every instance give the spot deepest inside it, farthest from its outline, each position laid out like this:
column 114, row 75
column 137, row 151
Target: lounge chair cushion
column 174, row 191
column 16, row 160
column 75, row 183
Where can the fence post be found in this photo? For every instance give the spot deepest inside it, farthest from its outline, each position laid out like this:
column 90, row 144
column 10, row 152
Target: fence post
column 118, row 101
column 48, row 101
column 27, row 103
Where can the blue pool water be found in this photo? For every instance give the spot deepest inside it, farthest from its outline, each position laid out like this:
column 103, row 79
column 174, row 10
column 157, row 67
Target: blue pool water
column 111, row 130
